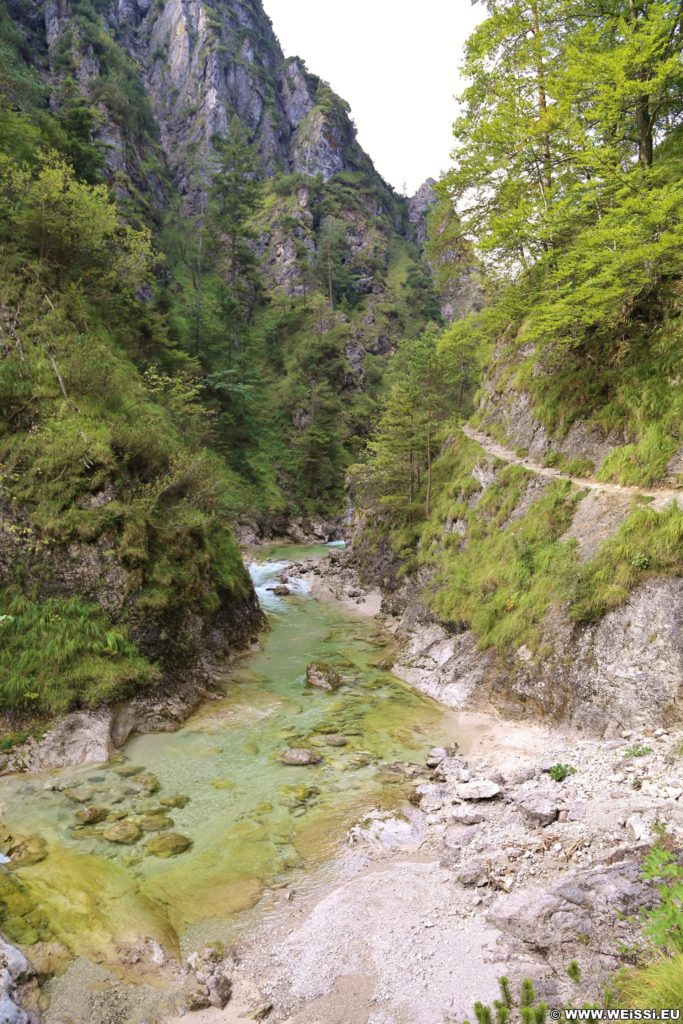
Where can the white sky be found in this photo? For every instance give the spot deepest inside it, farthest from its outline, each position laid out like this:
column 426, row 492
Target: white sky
column 396, row 63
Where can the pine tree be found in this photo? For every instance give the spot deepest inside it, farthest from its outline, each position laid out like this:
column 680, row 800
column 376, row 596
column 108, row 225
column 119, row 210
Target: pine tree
column 235, row 196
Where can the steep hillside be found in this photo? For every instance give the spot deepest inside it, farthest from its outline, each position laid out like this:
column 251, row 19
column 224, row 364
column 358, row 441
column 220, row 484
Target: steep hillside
column 202, row 279
column 540, row 554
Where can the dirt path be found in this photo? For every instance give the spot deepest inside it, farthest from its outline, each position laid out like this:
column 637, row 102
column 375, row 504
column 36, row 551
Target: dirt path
column 662, row 496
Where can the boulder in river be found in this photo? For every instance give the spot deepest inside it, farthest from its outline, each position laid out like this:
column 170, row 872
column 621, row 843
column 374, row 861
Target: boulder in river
column 123, row 832
column 148, row 782
column 80, row 794
column 281, row 590
column 91, row 815
column 322, row 675
column 128, row 770
column 15, row 970
column 336, row 739
column 300, row 756
column 169, row 844
column 155, row 822
column 174, row 801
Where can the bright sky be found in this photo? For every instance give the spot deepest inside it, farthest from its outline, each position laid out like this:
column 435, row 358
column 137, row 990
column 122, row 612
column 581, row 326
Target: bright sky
column 396, row 63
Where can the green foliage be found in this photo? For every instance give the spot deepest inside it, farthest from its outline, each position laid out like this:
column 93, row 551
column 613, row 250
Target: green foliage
column 560, row 772
column 503, row 581
column 72, row 228
column 560, row 102
column 60, row 654
column 506, row 1010
column 664, row 924
column 431, row 380
column 638, row 750
column 646, row 544
column 574, row 972
column 568, row 188
column 579, row 467
column 656, row 986
column 235, row 194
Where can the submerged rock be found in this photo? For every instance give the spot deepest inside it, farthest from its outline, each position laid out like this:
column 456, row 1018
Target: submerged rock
column 155, row 822
column 128, row 770
column 80, row 794
column 174, row 801
column 25, row 851
column 170, row 844
column 322, row 675
column 336, row 739
column 91, row 815
column 300, row 756
column 149, row 782
column 124, row 833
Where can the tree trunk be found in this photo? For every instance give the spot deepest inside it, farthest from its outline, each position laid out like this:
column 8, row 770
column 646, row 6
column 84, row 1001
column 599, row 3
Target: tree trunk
column 198, row 281
column 644, row 123
column 428, row 502
column 329, row 281
column 542, row 100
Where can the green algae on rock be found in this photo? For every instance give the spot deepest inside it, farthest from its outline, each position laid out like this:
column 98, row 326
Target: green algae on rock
column 299, row 757
column 168, row 845
column 124, row 832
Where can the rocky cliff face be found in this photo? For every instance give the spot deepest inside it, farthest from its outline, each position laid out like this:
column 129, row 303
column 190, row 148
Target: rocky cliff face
column 460, row 292
column 199, row 64
column 624, row 672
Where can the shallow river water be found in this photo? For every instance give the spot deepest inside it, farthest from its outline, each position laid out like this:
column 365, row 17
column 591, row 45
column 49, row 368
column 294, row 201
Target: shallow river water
column 252, row 821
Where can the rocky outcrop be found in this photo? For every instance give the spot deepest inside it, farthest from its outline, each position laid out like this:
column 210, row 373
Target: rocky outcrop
column 511, row 410
column 199, row 65
column 625, row 671
column 16, row 972
column 419, row 207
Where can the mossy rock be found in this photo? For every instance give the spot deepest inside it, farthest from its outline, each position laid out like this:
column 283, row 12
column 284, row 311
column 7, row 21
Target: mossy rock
column 335, row 739
column 126, row 771
column 170, row 844
column 80, row 794
column 155, row 822
column 27, row 850
column 91, row 815
column 323, row 676
column 148, row 782
column 175, row 801
column 124, row 832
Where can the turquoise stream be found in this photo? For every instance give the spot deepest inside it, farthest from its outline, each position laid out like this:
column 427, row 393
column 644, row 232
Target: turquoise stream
column 253, row 821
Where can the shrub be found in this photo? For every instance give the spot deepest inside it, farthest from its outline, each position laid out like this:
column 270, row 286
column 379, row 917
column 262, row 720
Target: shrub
column 656, row 986
column 60, row 654
column 638, row 750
